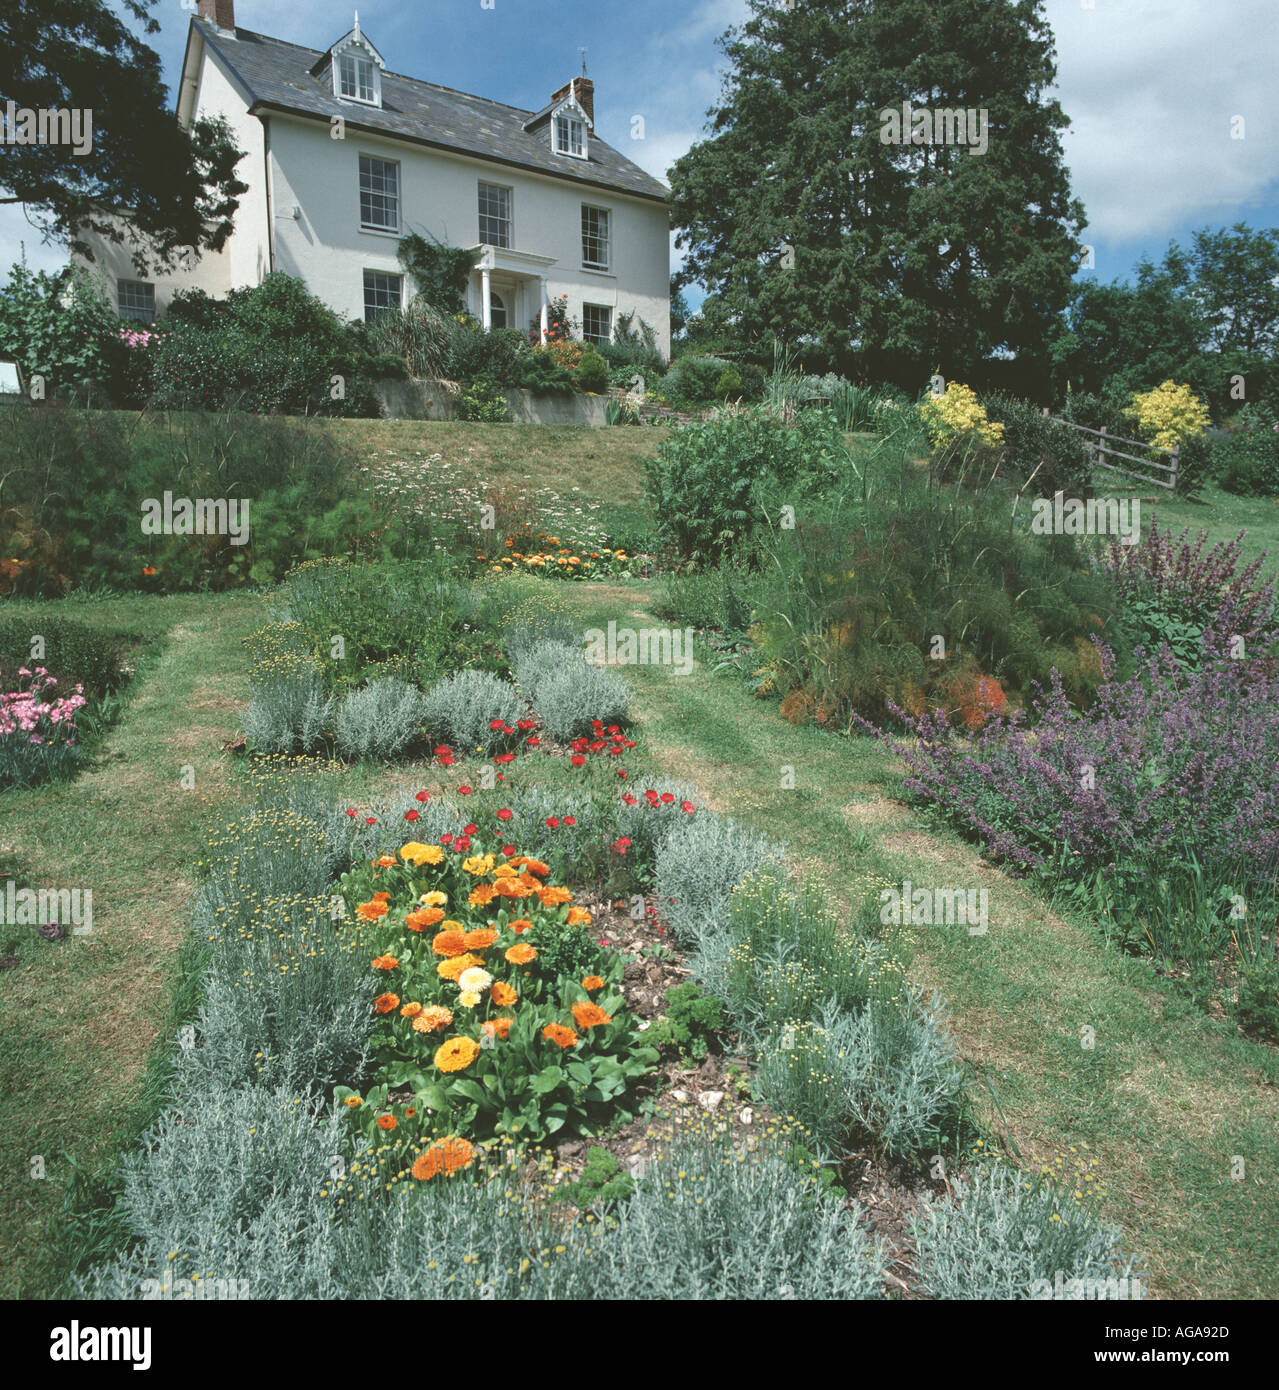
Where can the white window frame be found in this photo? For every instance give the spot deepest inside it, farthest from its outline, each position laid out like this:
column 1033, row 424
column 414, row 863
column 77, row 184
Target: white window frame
column 376, row 226
column 360, row 62
column 482, row 185
column 605, row 308
column 378, row 289
column 572, row 117
column 135, row 313
column 607, row 215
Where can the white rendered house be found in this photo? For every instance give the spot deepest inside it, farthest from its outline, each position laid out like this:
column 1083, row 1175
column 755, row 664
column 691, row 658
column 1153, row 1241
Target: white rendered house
column 344, row 157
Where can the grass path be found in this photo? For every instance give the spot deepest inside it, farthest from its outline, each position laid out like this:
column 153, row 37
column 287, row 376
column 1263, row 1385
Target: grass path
column 81, row 1016
column 1168, row 1097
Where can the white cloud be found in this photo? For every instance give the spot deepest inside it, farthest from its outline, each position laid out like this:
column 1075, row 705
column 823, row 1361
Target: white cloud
column 1151, row 87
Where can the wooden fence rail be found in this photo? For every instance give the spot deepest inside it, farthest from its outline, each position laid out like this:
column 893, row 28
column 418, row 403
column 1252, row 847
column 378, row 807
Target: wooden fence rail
column 1100, row 448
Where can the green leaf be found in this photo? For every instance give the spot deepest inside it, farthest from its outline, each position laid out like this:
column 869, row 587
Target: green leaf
column 547, row 1079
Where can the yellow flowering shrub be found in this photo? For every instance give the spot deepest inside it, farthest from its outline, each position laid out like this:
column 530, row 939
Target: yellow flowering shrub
column 956, row 416
column 1169, row 415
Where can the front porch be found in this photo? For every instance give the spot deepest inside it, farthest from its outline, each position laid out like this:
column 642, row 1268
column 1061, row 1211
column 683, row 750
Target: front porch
column 509, row 288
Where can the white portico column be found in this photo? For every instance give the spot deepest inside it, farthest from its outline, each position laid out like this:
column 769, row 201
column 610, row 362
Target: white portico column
column 545, row 307
column 486, row 299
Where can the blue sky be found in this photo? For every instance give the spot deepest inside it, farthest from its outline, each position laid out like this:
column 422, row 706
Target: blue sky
column 1151, row 87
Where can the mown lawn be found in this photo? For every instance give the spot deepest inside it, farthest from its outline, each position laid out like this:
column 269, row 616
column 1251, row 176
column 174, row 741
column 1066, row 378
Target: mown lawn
column 82, row 1015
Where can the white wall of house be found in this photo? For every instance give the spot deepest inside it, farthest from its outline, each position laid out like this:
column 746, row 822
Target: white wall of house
column 315, row 197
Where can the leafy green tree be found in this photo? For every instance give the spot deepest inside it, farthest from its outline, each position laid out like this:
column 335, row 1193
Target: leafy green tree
column 144, row 173
column 1234, row 281
column 900, row 259
column 680, row 312
column 60, row 325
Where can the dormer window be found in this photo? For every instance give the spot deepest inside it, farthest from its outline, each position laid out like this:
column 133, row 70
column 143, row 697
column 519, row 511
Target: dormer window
column 356, row 68
column 570, row 134
column 355, row 78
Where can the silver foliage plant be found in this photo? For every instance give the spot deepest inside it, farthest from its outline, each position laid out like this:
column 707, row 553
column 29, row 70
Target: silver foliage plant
column 288, row 713
column 379, row 720
column 1007, row 1235
column 460, row 708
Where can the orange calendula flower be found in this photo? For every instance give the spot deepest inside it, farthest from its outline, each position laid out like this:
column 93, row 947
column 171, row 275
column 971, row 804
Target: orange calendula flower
column 451, row 969
column 498, row 1028
column 386, row 1121
column 534, row 866
column 554, row 897
column 481, row 895
column 386, row 1003
column 592, row 982
column 386, row 963
column 480, row 939
column 371, row 911
column 381, row 896
column 449, row 943
column 457, row 1054
column 384, row 861
column 587, row 1015
column 445, row 1156
column 562, row 1037
column 353, row 1101
column 410, row 1010
column 503, row 995
column 579, row 917
column 520, row 925
column 512, row 888
column 521, row 953
column 419, row 854
column 432, row 1019
column 424, row 917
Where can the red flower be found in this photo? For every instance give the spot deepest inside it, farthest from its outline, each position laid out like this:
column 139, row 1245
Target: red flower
column 597, row 723
column 508, row 850
column 552, row 823
column 464, row 791
column 423, row 797
column 443, row 751
column 629, row 799
column 535, row 743
column 525, row 724
column 622, row 845
column 469, row 829
column 447, row 761
column 462, row 843
column 505, row 813
column 352, row 814
column 687, row 806
column 577, row 760
column 613, row 729
column 505, row 758
column 570, row 820
column 370, row 820
column 668, row 797
column 446, row 839
column 412, row 815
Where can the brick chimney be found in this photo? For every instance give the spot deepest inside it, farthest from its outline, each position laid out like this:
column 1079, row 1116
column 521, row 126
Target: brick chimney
column 580, row 87
column 219, row 12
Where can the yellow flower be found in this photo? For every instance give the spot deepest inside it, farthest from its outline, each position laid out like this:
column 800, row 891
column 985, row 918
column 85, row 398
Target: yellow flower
column 474, row 980
column 478, row 864
column 434, row 899
column 419, row 854
column 468, row 999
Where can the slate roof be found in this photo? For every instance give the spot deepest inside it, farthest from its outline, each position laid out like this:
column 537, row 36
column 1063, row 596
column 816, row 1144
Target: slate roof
column 278, row 77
